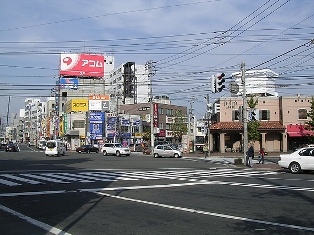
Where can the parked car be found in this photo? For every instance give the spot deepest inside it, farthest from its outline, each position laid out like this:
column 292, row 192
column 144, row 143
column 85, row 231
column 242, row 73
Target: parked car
column 87, row 149
column 301, row 159
column 167, row 151
column 115, row 149
column 11, row 147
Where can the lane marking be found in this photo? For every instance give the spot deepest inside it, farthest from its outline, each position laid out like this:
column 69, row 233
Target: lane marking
column 37, row 223
column 191, row 183
column 225, row 216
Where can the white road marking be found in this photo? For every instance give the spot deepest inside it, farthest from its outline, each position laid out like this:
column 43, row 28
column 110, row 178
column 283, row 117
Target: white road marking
column 9, row 183
column 45, row 178
column 105, row 176
column 21, row 179
column 225, row 216
column 37, row 223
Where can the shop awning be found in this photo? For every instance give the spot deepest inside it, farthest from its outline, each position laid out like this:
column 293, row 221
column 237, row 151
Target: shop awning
column 296, row 130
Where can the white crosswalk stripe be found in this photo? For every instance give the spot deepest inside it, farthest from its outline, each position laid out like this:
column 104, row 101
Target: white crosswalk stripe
column 106, row 176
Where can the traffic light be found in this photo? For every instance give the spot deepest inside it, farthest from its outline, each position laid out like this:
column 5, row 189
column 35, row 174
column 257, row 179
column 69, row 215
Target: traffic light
column 213, row 81
column 220, row 82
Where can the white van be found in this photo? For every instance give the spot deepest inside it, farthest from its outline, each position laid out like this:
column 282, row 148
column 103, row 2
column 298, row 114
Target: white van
column 55, row 148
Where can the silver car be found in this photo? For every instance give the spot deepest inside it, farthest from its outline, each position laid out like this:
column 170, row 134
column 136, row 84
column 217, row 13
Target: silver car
column 167, row 151
column 115, row 149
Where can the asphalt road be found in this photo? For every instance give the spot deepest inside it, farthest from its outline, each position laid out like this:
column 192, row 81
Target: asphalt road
column 93, row 194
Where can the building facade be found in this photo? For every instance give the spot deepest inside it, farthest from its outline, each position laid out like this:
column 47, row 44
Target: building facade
column 282, row 123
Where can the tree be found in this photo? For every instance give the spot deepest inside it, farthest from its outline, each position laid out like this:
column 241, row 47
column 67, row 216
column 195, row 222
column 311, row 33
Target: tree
column 253, row 125
column 146, row 133
column 179, row 127
column 310, row 123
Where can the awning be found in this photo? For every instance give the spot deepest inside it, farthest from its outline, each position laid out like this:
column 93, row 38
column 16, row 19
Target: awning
column 72, row 133
column 296, row 130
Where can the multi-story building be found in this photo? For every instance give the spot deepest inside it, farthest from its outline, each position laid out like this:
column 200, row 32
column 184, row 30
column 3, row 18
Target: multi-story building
column 31, row 119
column 282, row 123
column 163, row 120
column 128, row 84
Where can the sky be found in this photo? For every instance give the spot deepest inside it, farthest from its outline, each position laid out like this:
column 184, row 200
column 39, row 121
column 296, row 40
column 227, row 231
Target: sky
column 188, row 41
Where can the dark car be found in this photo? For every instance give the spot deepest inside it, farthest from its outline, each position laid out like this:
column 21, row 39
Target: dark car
column 12, row 148
column 87, row 149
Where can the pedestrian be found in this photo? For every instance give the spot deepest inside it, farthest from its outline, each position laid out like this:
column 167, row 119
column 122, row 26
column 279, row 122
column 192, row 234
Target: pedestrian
column 250, row 155
column 261, row 156
column 205, row 150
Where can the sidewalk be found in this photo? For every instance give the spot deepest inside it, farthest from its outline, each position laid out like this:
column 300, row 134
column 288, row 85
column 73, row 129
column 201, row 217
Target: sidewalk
column 270, row 162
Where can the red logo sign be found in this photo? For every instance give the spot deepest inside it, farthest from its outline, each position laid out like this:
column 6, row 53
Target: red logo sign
column 155, row 113
column 83, row 65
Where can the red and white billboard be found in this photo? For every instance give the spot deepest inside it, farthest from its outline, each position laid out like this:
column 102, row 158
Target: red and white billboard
column 83, row 65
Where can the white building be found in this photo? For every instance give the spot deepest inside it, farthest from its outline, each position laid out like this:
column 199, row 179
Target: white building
column 259, row 82
column 128, row 84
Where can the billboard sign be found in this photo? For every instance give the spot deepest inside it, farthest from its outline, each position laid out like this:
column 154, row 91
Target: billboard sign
column 95, row 131
column 77, row 105
column 96, row 117
column 95, row 105
column 155, row 115
column 99, row 102
column 69, row 83
column 83, row 65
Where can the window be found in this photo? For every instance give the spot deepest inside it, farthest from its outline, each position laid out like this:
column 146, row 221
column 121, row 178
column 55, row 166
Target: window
column 302, row 113
column 169, row 112
column 264, row 114
column 235, row 115
column 160, row 111
column 79, row 124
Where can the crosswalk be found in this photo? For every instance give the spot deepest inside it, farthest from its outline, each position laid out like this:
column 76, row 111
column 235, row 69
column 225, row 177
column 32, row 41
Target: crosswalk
column 109, row 176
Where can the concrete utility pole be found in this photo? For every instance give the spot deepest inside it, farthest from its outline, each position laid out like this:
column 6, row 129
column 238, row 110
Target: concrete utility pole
column 191, row 101
column 208, row 123
column 245, row 132
column 149, row 66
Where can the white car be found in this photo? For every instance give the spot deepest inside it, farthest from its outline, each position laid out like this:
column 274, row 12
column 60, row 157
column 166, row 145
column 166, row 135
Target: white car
column 167, row 151
column 301, row 159
column 115, row 149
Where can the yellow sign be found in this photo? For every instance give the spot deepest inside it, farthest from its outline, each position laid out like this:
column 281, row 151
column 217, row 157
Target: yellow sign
column 138, row 135
column 77, row 105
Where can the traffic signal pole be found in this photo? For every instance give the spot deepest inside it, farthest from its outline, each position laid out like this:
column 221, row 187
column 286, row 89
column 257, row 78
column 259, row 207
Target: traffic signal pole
column 245, row 131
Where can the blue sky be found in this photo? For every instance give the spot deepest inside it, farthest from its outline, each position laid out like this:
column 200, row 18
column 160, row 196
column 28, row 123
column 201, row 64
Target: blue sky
column 189, row 41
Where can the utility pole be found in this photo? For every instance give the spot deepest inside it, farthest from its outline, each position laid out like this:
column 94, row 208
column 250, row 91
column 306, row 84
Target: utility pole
column 191, row 101
column 194, row 132
column 149, row 67
column 208, row 114
column 245, row 131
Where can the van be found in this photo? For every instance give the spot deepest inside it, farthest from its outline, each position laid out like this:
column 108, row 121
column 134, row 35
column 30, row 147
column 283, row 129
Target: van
column 55, row 148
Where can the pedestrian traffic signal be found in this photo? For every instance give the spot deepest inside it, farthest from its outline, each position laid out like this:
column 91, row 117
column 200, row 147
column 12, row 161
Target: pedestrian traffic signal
column 253, row 115
column 219, row 82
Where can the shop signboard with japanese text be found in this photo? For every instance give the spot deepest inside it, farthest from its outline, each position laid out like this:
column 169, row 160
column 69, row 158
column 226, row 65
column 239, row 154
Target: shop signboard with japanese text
column 96, row 120
column 82, row 65
column 155, row 115
column 69, row 83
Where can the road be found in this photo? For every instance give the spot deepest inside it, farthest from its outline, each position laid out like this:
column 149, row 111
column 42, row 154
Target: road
column 93, row 194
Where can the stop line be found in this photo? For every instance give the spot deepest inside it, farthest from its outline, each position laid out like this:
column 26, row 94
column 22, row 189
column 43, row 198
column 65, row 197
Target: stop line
column 106, row 176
